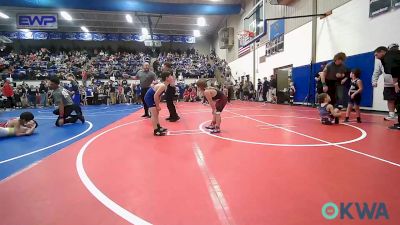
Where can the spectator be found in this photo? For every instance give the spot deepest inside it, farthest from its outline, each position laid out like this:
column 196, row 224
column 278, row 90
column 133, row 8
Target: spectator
column 391, row 65
column 332, row 75
column 389, row 93
column 265, row 89
column 8, row 93
column 43, row 93
column 146, row 78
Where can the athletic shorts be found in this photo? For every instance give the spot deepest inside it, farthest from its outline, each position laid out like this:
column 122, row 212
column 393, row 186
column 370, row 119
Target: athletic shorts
column 5, row 132
column 356, row 100
column 149, row 98
column 69, row 109
column 389, row 94
column 221, row 103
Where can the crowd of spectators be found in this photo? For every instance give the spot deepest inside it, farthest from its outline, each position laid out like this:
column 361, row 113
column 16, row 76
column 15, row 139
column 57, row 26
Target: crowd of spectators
column 41, row 64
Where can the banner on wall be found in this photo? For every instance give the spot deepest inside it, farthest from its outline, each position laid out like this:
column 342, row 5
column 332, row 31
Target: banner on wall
column 80, row 36
column 40, row 35
column 99, row 37
column 276, row 29
column 377, row 7
column 275, row 46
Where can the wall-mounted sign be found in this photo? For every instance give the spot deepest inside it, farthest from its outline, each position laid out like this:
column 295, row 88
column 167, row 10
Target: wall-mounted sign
column 377, row 7
column 37, row 21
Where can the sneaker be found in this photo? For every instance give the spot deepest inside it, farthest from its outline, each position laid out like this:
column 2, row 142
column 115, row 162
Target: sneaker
column 210, row 127
column 168, row 118
column 158, row 132
column 145, row 115
column 346, row 120
column 215, row 131
column 388, row 118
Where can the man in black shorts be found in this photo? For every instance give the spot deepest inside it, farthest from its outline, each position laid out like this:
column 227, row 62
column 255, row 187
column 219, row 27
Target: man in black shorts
column 389, row 93
column 65, row 104
column 391, row 65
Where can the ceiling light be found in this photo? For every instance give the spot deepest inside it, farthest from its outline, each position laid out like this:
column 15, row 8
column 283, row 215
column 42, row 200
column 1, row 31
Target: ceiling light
column 66, row 15
column 4, row 16
column 196, row 33
column 145, row 31
column 128, row 18
column 201, row 21
column 84, row 29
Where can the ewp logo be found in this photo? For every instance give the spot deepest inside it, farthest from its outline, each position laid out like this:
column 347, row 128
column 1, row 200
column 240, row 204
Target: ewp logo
column 375, row 211
column 37, row 21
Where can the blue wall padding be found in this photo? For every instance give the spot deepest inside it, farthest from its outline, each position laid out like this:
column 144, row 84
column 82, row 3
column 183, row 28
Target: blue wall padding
column 303, row 78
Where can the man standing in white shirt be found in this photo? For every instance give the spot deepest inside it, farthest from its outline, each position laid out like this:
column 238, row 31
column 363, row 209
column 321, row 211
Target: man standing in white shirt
column 389, row 93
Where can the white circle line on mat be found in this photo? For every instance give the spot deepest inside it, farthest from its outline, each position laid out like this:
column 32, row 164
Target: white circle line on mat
column 362, row 136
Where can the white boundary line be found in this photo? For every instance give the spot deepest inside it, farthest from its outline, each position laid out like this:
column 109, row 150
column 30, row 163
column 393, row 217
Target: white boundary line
column 106, row 201
column 50, row 146
column 96, row 113
column 214, row 189
column 270, row 128
column 363, row 134
column 327, row 142
column 184, row 133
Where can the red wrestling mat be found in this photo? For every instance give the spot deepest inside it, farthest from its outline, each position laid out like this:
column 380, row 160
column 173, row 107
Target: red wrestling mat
column 270, row 165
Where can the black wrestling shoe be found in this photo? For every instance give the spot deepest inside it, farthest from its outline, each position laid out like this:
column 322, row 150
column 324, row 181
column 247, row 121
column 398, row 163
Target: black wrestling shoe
column 168, row 118
column 162, row 129
column 395, row 126
column 174, row 119
column 146, row 115
column 81, row 118
column 358, row 120
column 336, row 120
column 158, row 132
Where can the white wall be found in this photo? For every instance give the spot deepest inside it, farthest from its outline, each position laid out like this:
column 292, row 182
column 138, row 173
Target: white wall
column 297, row 52
column 348, row 29
column 242, row 66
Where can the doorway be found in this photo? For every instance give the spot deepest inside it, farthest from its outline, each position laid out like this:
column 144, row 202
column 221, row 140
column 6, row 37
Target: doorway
column 283, row 76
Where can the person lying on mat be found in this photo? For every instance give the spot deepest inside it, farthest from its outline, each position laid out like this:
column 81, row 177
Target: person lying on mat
column 329, row 115
column 217, row 101
column 24, row 125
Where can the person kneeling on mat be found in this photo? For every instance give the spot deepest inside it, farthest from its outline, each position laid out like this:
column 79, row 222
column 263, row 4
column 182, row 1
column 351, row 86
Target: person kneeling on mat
column 24, row 125
column 329, row 115
column 152, row 99
column 65, row 104
column 217, row 101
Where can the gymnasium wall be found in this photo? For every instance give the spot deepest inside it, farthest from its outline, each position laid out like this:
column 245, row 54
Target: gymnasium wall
column 348, row 29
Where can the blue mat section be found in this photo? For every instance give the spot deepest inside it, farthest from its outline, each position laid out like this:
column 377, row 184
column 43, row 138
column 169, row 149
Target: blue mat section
column 303, row 77
column 49, row 139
